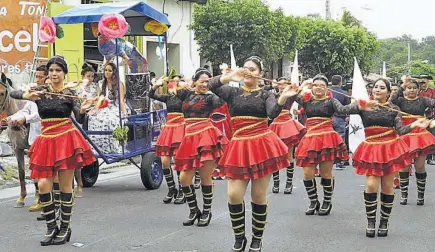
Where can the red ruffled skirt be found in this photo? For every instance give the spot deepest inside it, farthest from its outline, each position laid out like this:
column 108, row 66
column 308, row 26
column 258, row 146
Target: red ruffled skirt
column 254, row 151
column 420, row 141
column 321, row 143
column 171, row 135
column 288, row 130
column 202, row 142
column 59, row 147
column 381, row 153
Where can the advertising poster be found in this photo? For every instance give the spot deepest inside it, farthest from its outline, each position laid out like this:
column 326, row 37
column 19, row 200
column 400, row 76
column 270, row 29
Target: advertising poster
column 19, row 21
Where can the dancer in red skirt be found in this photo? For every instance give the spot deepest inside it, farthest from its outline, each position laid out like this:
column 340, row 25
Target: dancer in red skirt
column 290, row 131
column 381, row 155
column 254, row 152
column 420, row 141
column 201, row 147
column 322, row 145
column 47, row 158
column 170, row 136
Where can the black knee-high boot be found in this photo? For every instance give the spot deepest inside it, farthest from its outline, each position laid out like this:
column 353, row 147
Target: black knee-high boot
column 237, row 214
column 371, row 203
column 259, row 220
column 172, row 193
column 311, row 188
column 180, row 197
column 386, row 207
column 48, row 211
column 289, row 183
column 197, row 181
column 207, row 198
column 66, row 205
column 404, row 183
column 275, row 188
column 195, row 213
column 56, row 193
column 421, row 187
column 328, row 188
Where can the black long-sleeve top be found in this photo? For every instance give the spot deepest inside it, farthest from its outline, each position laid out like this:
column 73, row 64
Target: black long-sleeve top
column 173, row 103
column 261, row 103
column 416, row 106
column 54, row 106
column 198, row 105
column 377, row 117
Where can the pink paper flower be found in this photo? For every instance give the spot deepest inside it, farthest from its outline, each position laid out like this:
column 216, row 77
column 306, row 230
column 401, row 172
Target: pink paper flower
column 113, row 25
column 47, row 30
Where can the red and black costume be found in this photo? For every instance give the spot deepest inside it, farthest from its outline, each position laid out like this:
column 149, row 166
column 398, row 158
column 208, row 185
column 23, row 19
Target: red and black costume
column 60, row 146
column 321, row 143
column 169, row 140
column 290, row 131
column 253, row 152
column 420, row 141
column 202, row 142
column 382, row 153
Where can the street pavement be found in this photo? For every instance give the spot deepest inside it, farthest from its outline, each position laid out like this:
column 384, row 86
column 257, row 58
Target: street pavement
column 119, row 214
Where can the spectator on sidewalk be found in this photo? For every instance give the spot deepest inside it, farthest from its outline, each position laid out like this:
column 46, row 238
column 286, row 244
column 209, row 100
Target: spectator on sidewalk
column 339, row 121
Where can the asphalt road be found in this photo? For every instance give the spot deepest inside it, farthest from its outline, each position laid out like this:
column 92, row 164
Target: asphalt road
column 118, row 214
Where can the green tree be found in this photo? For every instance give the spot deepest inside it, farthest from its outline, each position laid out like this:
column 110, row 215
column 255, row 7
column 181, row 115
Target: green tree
column 249, row 25
column 349, row 20
column 329, row 47
column 416, row 68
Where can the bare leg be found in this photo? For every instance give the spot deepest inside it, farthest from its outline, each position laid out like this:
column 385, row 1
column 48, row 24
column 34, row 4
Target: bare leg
column 78, row 177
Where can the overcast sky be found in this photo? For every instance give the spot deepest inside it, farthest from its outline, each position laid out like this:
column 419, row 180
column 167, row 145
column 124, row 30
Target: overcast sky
column 387, row 18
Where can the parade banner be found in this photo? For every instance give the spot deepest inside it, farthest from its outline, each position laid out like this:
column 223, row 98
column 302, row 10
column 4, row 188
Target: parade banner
column 19, row 21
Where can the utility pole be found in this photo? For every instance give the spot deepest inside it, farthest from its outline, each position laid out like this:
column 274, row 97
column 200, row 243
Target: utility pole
column 328, row 9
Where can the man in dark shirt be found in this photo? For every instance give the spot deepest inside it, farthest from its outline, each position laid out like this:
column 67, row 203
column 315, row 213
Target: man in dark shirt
column 339, row 120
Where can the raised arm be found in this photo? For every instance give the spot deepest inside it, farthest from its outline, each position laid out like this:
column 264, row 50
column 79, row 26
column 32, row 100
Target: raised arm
column 401, row 130
column 220, row 89
column 153, row 95
column 183, row 94
column 352, row 108
column 272, row 107
column 79, row 113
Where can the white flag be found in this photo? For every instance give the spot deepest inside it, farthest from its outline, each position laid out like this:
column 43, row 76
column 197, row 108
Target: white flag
column 384, row 71
column 295, row 79
column 356, row 128
column 233, row 66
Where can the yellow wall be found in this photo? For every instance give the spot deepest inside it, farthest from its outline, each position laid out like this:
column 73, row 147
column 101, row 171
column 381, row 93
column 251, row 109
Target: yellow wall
column 71, row 46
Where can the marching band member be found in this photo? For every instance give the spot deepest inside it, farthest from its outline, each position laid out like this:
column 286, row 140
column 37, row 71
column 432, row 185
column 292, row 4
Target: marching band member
column 290, row 131
column 254, row 152
column 171, row 135
column 381, row 154
column 46, row 159
column 420, row 141
column 321, row 145
column 201, row 147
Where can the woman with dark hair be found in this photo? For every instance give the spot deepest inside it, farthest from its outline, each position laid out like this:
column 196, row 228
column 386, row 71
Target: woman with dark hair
column 321, row 146
column 254, row 152
column 420, row 141
column 382, row 154
column 290, row 131
column 171, row 135
column 107, row 118
column 201, row 147
column 46, row 158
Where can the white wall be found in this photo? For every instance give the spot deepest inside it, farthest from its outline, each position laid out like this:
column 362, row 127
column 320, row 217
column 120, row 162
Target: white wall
column 180, row 16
